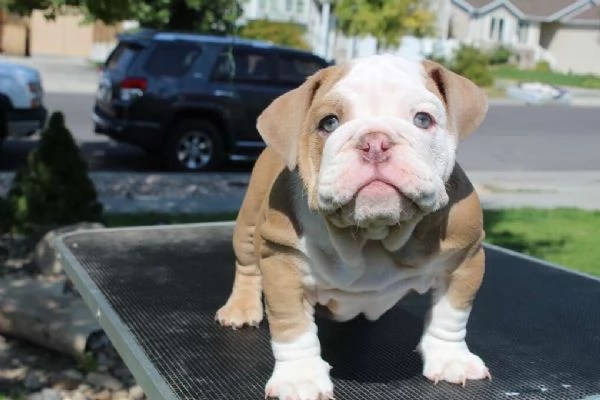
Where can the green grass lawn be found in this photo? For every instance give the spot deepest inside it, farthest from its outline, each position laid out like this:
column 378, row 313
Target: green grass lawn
column 551, row 78
column 564, row 236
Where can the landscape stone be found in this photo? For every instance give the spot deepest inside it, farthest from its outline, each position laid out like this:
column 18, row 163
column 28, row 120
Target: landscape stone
column 136, row 393
column 46, row 394
column 103, row 380
column 45, row 256
column 32, row 381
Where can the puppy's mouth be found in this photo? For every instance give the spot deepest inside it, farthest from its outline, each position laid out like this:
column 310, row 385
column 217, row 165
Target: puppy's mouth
column 376, row 204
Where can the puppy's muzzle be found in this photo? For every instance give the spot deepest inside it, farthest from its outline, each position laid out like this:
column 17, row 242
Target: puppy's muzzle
column 374, row 147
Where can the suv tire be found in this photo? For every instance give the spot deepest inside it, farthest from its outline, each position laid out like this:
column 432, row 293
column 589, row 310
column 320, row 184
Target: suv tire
column 193, row 145
column 3, row 125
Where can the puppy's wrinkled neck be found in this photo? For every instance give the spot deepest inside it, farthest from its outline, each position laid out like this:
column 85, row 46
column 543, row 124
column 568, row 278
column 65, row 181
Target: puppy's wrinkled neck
column 349, row 241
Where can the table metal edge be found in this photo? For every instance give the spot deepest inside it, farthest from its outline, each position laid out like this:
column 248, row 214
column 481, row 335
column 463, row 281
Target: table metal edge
column 146, row 375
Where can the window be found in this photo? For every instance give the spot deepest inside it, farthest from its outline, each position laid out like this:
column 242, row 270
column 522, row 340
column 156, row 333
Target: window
column 300, row 6
column 172, row 59
column 294, row 69
column 121, row 58
column 247, row 66
column 262, row 5
column 522, row 31
column 274, row 5
column 289, row 5
column 497, row 29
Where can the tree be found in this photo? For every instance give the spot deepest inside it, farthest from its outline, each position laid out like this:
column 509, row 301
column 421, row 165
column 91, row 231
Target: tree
column 386, row 20
column 25, row 7
column 284, row 33
column 214, row 16
column 52, row 188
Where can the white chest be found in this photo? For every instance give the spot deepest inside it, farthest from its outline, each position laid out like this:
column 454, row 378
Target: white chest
column 371, row 286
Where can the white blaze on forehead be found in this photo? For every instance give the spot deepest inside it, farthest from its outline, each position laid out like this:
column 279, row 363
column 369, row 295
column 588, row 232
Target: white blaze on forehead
column 386, row 85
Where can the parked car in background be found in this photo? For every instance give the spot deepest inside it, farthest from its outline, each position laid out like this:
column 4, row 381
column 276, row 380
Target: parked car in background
column 22, row 111
column 191, row 99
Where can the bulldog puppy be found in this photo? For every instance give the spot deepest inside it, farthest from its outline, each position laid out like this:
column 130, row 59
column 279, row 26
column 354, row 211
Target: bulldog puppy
column 356, row 201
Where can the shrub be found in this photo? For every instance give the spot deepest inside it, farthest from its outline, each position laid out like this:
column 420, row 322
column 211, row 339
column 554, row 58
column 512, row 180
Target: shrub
column 500, row 55
column 52, row 188
column 473, row 64
column 543, row 66
column 284, row 33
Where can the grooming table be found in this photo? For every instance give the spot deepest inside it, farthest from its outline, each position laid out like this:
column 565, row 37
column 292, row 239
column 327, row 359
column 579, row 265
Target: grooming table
column 155, row 291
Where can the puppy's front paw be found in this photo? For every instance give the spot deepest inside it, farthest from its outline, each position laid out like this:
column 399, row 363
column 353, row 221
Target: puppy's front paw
column 306, row 379
column 451, row 362
column 240, row 311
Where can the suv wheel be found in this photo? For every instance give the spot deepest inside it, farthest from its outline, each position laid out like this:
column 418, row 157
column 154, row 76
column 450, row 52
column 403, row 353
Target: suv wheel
column 193, row 146
column 3, row 126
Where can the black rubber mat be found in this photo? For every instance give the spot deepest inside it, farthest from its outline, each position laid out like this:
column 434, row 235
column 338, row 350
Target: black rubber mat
column 537, row 327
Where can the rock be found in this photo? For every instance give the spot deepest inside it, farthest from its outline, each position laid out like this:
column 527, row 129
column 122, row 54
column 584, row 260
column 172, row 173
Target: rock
column 45, row 256
column 102, row 368
column 136, row 393
column 36, row 310
column 76, row 396
column 104, row 360
column 101, row 395
column 67, row 380
column 103, row 380
column 32, row 381
column 79, row 396
column 122, row 373
column 13, row 374
column 120, row 395
column 18, row 246
column 46, row 394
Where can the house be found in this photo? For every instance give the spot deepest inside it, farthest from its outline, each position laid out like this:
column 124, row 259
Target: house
column 566, row 33
column 314, row 15
column 317, row 17
column 65, row 36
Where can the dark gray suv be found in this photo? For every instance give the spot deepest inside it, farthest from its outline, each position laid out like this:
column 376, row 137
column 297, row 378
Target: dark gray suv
column 191, row 99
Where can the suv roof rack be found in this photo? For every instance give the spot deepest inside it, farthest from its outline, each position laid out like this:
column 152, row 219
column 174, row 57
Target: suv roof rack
column 145, row 35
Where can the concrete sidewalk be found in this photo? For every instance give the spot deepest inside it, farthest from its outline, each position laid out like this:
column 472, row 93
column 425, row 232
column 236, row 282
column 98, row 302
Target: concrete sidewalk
column 501, row 189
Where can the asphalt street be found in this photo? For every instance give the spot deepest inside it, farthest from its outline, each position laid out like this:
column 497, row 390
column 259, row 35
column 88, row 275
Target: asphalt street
column 512, row 138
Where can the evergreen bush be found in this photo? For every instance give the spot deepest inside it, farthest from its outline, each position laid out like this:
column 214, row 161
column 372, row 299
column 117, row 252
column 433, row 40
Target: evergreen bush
column 53, row 188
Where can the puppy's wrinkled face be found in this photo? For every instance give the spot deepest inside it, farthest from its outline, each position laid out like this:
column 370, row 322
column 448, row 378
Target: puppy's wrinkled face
column 375, row 139
column 387, row 151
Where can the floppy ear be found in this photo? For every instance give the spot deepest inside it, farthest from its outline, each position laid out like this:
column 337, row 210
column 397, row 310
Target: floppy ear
column 466, row 103
column 282, row 122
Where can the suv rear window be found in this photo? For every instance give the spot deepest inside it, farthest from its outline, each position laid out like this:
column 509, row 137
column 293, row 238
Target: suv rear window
column 173, row 59
column 121, row 57
column 295, row 69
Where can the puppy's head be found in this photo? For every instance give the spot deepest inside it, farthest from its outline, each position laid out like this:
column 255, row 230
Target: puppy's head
column 374, row 139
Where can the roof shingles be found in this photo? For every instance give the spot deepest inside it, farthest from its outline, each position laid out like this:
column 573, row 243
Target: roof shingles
column 588, row 15
column 540, row 8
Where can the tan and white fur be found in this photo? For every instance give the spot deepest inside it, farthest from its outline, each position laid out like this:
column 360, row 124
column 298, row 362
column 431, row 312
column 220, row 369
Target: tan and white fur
column 356, row 201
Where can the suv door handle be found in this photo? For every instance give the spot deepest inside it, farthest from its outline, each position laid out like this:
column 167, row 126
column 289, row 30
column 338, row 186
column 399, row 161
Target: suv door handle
column 223, row 93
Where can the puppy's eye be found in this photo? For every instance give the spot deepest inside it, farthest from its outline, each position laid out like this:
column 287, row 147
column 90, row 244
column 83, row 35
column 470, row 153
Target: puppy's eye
column 423, row 120
column 329, row 123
